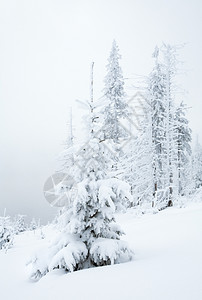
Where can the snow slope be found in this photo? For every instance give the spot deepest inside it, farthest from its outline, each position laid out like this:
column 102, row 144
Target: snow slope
column 167, row 264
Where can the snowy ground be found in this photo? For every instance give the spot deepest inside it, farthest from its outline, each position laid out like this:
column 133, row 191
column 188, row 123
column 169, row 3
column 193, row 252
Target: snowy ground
column 167, row 264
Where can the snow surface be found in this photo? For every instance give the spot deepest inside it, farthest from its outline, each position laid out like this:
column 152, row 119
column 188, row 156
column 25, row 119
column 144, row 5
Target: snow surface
column 167, row 264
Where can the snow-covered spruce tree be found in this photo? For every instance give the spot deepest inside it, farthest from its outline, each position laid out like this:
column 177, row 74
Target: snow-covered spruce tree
column 19, row 224
column 169, row 54
column 116, row 108
column 6, row 233
column 33, row 224
column 152, row 157
column 197, row 165
column 90, row 235
column 156, row 96
column 162, row 92
column 188, row 187
column 67, row 156
column 138, row 159
column 148, row 151
column 183, row 140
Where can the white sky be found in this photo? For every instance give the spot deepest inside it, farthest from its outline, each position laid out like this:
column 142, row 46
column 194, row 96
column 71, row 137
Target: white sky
column 46, row 47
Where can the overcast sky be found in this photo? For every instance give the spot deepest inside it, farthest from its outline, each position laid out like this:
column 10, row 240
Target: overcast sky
column 46, row 47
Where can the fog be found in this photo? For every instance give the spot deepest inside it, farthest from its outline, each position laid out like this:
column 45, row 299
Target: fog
column 46, row 47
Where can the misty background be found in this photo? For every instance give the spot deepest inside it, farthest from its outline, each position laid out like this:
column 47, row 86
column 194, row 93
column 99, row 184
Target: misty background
column 46, row 48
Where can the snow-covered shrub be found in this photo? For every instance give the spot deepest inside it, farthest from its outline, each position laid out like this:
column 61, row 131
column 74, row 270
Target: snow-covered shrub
column 33, row 225
column 6, row 233
column 19, row 224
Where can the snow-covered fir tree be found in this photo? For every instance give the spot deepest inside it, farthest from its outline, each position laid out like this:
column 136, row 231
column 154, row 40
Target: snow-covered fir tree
column 197, row 164
column 19, row 224
column 151, row 165
column 6, row 232
column 116, row 108
column 90, row 235
column 161, row 95
column 67, row 155
column 137, row 161
column 33, row 224
column 183, row 140
column 157, row 91
column 169, row 66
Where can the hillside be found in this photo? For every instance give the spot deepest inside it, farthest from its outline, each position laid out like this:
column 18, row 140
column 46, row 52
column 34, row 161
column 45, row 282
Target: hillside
column 167, row 264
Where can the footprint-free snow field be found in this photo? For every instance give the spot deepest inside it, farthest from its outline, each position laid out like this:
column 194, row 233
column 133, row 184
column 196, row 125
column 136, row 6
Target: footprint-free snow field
column 167, row 263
